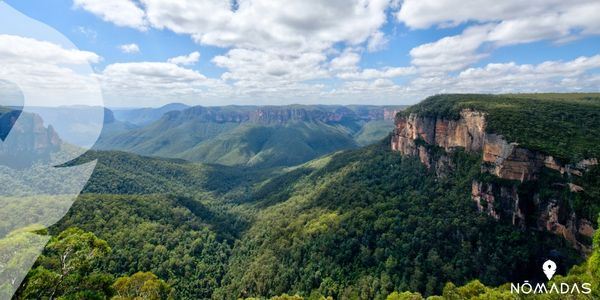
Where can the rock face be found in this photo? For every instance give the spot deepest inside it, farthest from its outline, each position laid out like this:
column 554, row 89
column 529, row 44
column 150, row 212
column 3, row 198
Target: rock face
column 282, row 114
column 506, row 160
column 29, row 141
column 414, row 135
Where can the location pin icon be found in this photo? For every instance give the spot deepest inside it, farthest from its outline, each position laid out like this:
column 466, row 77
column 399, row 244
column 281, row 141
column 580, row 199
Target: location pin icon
column 549, row 268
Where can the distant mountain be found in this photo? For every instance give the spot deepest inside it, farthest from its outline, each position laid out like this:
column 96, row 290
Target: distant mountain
column 114, row 126
column 144, row 116
column 26, row 141
column 266, row 136
column 435, row 202
column 75, row 124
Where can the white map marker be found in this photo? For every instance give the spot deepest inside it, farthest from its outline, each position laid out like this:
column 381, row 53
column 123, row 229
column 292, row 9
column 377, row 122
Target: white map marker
column 549, row 268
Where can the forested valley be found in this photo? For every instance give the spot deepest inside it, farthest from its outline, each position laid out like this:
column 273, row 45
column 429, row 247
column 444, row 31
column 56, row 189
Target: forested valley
column 364, row 223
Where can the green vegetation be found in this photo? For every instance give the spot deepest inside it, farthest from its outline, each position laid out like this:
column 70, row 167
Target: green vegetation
column 272, row 145
column 373, row 131
column 181, row 241
column 587, row 272
column 369, row 222
column 241, row 136
column 566, row 126
column 141, row 285
column 70, row 269
column 66, row 270
column 356, row 224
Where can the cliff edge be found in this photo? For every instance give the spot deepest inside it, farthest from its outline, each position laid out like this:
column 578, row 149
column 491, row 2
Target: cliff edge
column 530, row 188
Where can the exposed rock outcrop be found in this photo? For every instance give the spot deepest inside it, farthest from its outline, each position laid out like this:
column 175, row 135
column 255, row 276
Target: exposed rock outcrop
column 506, row 160
column 282, row 114
column 29, row 141
column 415, row 135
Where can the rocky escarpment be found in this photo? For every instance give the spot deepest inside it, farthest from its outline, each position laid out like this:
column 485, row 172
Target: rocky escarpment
column 28, row 140
column 510, row 164
column 282, row 114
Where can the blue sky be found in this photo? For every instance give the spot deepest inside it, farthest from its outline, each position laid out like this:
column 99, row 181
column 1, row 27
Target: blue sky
column 359, row 51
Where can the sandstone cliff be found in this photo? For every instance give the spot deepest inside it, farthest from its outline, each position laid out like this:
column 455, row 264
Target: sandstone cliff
column 29, row 141
column 282, row 114
column 415, row 135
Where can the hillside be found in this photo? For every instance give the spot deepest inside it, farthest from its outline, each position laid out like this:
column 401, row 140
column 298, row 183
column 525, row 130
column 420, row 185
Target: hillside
column 366, row 217
column 538, row 155
column 367, row 221
column 412, row 212
column 144, row 116
column 254, row 136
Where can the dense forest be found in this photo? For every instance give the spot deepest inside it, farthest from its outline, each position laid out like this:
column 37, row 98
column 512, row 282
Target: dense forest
column 365, row 223
column 356, row 224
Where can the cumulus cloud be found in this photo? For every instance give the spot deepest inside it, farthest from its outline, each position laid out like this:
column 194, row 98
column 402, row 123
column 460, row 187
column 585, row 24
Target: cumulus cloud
column 278, row 49
column 377, row 42
column 549, row 76
column 420, row 14
column 189, row 59
column 504, row 23
column 279, row 34
column 129, row 48
column 346, row 61
column 46, row 71
column 124, row 13
column 298, row 24
column 18, row 48
column 257, row 68
column 368, row 74
column 451, row 53
column 546, row 76
column 151, row 82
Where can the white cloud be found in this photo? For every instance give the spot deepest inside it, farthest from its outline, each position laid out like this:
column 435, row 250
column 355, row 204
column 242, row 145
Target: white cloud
column 48, row 73
column 124, row 13
column 451, row 53
column 377, row 42
column 546, row 76
column 256, row 68
column 130, row 48
column 549, row 76
column 151, row 82
column 163, row 82
column 157, row 73
column 348, row 60
column 279, row 35
column 504, row 23
column 189, row 59
column 28, row 49
column 88, row 32
column 298, row 24
column 420, row 14
column 276, row 50
column 368, row 74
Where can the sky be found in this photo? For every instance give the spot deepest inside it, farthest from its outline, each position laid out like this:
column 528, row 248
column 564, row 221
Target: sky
column 209, row 52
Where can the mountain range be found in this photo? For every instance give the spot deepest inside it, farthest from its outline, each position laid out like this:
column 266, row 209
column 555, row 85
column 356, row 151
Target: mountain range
column 468, row 190
column 266, row 137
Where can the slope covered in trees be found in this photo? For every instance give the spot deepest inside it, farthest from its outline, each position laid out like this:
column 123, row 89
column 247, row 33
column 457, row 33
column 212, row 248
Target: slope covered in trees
column 357, row 224
column 255, row 136
column 360, row 223
column 367, row 222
